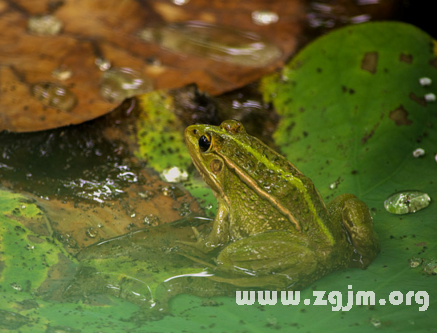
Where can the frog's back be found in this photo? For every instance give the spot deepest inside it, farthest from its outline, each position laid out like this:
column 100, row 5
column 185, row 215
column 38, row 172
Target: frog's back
column 275, row 180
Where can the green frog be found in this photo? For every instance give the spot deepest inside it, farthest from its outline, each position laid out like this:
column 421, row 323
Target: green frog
column 272, row 228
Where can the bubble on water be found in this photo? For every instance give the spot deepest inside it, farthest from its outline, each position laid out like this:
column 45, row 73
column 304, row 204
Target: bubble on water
column 119, row 83
column 220, row 43
column 54, row 95
column 103, row 64
column 418, row 152
column 264, row 17
column 430, row 97
column 425, row 81
column 174, row 175
column 407, row 202
column 44, row 25
column 62, row 73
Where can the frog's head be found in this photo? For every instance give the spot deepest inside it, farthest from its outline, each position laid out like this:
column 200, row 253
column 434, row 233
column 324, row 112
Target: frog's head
column 209, row 146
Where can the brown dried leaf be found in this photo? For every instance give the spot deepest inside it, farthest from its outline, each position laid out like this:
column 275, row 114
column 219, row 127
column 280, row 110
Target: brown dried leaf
column 108, row 29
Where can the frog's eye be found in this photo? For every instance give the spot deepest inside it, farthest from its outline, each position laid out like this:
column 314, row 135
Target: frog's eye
column 204, row 143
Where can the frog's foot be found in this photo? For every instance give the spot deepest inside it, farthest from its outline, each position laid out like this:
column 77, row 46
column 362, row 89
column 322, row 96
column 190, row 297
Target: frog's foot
column 358, row 222
column 201, row 245
column 199, row 260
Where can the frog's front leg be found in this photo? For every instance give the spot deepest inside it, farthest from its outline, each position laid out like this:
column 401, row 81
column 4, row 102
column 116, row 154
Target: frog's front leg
column 219, row 234
column 274, row 258
column 355, row 217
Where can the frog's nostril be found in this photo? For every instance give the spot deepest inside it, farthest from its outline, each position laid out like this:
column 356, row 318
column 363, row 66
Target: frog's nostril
column 194, row 131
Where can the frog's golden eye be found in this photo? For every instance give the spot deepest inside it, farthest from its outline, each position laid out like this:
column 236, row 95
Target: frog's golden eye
column 204, row 143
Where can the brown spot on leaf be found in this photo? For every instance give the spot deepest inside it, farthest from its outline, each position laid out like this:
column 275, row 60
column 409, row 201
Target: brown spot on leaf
column 400, row 116
column 367, row 136
column 433, row 62
column 417, row 99
column 407, row 58
column 370, row 62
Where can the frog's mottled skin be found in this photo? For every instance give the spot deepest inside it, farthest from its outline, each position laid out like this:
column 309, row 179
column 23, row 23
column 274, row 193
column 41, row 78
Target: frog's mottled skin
column 272, row 227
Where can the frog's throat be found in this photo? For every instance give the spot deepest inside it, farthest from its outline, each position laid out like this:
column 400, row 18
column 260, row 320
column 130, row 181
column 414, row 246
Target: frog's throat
column 253, row 185
column 216, row 188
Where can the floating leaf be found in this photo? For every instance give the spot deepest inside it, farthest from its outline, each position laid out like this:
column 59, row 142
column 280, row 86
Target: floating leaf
column 54, row 55
column 352, row 112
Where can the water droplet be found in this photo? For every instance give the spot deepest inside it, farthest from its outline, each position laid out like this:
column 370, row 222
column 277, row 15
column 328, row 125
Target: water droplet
column 62, row 73
column 375, row 322
column 334, row 185
column 220, row 43
column 418, row 152
column 415, row 262
column 103, row 64
column 425, row 81
column 54, row 95
column 147, row 195
column 430, row 267
column 16, row 286
column 44, row 25
column 264, row 17
column 152, row 220
column 67, row 239
column 91, row 232
column 180, row 2
column 430, row 97
column 174, row 175
column 407, row 202
column 29, row 247
column 166, row 191
column 120, row 83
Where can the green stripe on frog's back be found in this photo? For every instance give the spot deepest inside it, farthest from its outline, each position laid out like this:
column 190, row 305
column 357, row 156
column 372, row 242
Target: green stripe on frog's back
column 291, row 179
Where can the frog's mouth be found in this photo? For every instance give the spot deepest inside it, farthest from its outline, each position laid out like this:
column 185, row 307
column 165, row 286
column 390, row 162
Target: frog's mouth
column 207, row 175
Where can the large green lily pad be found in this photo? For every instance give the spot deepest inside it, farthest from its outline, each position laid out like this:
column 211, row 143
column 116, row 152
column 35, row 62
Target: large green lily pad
column 353, row 111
